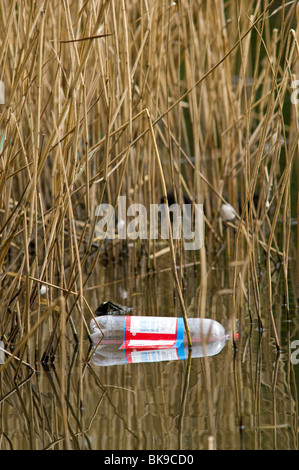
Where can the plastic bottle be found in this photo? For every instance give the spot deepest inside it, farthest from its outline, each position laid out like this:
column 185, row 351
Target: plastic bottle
column 126, row 339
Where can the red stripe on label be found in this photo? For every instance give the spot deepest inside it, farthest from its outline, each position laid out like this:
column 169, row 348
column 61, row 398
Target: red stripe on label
column 148, row 339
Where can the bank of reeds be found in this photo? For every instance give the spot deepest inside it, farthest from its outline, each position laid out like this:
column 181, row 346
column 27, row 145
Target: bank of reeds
column 139, row 99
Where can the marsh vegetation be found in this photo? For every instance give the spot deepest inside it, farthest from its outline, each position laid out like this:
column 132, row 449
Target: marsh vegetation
column 141, row 99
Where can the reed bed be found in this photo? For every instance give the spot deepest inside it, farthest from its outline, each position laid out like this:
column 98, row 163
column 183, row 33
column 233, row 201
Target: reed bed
column 138, row 99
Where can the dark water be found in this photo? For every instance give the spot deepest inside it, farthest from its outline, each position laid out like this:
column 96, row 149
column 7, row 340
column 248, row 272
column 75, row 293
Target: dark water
column 244, row 398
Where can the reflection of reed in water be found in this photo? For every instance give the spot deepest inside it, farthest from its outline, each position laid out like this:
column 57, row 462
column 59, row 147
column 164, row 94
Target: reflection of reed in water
column 153, row 405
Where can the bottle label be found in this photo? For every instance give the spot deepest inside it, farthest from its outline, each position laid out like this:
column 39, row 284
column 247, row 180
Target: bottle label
column 153, row 333
column 154, row 355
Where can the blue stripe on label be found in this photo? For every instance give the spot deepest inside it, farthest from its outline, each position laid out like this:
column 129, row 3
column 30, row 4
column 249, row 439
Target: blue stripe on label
column 180, row 333
column 181, row 352
column 125, row 353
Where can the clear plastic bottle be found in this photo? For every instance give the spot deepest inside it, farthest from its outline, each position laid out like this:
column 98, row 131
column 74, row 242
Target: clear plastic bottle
column 114, row 328
column 123, row 339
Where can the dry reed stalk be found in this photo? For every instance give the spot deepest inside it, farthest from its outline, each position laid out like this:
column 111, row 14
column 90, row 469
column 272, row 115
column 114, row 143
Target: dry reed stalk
column 184, row 400
column 63, row 355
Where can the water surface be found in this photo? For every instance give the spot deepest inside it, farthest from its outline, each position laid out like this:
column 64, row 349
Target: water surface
column 241, row 398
